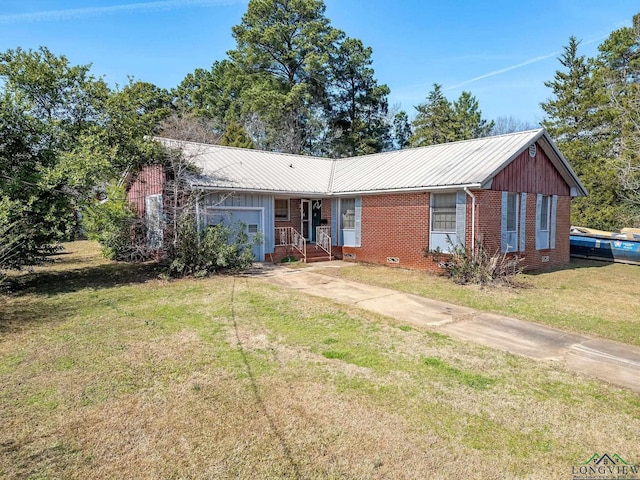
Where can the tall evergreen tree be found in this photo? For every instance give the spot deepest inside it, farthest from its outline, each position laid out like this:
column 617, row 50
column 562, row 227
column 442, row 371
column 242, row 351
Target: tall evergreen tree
column 433, row 123
column 213, row 94
column 236, row 136
column 580, row 121
column 467, row 118
column 284, row 46
column 440, row 121
column 401, row 130
column 357, row 106
column 619, row 69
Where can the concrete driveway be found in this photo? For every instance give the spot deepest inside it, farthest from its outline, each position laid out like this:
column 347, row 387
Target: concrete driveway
column 613, row 362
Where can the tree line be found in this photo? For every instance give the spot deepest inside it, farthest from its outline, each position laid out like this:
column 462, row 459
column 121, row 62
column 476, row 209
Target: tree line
column 594, row 117
column 294, row 83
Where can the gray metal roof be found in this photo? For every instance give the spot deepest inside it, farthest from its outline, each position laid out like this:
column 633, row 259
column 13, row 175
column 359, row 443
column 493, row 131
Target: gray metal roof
column 255, row 170
column 470, row 163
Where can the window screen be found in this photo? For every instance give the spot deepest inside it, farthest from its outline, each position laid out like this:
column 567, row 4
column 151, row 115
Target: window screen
column 443, row 212
column 281, row 208
column 348, row 213
column 512, row 212
column 544, row 213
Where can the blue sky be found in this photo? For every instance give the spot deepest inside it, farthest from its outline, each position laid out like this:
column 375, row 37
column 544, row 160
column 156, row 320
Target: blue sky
column 501, row 51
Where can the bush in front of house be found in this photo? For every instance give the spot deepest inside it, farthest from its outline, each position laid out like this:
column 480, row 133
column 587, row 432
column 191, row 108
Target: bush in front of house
column 111, row 222
column 483, row 268
column 212, row 249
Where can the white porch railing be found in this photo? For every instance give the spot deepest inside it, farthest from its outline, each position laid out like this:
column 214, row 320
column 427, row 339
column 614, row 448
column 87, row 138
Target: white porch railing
column 323, row 239
column 290, row 237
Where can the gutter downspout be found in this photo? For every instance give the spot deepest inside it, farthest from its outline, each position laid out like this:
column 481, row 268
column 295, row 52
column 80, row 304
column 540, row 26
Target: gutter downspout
column 473, row 221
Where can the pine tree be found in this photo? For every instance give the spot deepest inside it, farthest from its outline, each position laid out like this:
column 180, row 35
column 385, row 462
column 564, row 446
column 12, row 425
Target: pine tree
column 467, row 118
column 236, row 136
column 401, row 130
column 433, row 123
column 283, row 50
column 580, row 121
column 358, row 106
column 619, row 69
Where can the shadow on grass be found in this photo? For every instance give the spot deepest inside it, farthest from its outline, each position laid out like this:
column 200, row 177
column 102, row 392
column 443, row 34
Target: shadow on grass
column 35, row 310
column 574, row 264
column 93, row 277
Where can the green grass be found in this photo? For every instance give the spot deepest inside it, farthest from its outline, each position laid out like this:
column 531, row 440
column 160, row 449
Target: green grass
column 473, row 380
column 109, row 372
column 589, row 297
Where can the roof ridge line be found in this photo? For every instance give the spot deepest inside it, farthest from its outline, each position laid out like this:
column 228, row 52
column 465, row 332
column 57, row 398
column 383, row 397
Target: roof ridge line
column 242, row 149
column 331, row 175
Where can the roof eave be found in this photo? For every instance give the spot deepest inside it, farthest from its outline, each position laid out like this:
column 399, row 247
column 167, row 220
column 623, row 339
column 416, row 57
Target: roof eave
column 230, row 188
column 349, row 193
column 425, row 189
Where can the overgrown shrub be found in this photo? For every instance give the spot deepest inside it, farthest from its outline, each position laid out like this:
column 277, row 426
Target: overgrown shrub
column 483, row 268
column 23, row 241
column 210, row 250
column 112, row 223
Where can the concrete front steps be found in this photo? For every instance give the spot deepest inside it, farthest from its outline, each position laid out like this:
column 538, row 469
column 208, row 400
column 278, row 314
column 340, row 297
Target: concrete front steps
column 314, row 254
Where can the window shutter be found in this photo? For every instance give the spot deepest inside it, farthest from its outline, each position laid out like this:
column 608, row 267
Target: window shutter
column 552, row 223
column 335, row 215
column 538, row 213
column 153, row 219
column 523, row 222
column 358, row 222
column 461, row 217
column 503, row 223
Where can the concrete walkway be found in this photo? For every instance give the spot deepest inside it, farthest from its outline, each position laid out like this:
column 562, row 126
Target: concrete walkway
column 613, row 362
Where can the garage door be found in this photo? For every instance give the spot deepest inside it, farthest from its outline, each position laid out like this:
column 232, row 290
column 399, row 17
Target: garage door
column 252, row 220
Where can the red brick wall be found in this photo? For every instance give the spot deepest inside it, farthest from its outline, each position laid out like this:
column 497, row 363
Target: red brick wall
column 294, row 215
column 149, row 181
column 398, row 226
column 395, row 225
column 488, row 217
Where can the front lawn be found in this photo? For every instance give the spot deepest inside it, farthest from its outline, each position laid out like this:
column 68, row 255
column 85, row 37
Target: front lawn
column 109, row 372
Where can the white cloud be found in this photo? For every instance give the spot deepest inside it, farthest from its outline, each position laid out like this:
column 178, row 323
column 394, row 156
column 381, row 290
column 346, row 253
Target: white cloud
column 74, row 13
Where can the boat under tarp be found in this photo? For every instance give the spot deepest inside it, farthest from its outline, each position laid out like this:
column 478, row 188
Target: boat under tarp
column 622, row 247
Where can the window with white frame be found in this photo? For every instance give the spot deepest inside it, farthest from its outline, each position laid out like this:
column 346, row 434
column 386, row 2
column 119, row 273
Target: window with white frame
column 348, row 213
column 543, row 221
column 512, row 222
column 281, row 209
column 350, row 221
column 443, row 212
